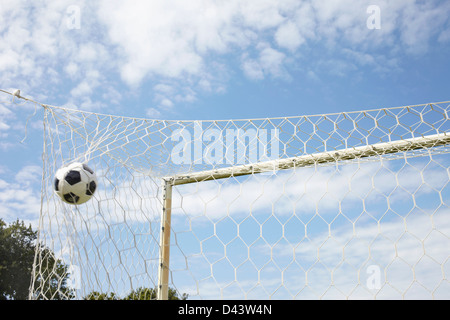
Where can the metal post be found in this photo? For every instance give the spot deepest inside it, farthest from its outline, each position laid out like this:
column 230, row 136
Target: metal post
column 164, row 251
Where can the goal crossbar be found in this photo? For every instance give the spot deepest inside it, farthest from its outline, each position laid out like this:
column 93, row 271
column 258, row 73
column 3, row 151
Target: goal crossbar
column 372, row 150
column 377, row 149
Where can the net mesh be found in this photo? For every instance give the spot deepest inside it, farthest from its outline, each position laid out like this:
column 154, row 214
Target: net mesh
column 354, row 227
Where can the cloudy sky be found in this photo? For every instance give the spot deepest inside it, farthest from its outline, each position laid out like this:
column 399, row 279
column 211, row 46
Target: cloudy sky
column 213, row 60
column 226, row 59
column 208, row 59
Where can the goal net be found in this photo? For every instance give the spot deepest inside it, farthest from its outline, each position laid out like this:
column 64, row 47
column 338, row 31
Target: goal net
column 350, row 205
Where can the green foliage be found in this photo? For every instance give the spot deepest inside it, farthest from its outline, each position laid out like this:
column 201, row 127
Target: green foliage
column 138, row 294
column 142, row 294
column 151, row 294
column 17, row 252
column 16, row 260
column 95, row 295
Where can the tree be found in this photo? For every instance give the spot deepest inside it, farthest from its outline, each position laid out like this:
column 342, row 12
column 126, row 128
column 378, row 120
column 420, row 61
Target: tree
column 18, row 247
column 151, row 294
column 141, row 293
column 16, row 258
column 95, row 295
column 17, row 251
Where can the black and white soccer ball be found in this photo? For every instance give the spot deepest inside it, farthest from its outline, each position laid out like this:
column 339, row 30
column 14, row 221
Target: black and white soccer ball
column 75, row 183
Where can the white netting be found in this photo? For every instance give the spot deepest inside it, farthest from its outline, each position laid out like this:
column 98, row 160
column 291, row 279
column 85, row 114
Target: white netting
column 362, row 225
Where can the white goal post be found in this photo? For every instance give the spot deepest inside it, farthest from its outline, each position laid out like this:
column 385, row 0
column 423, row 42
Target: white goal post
column 374, row 150
column 346, row 205
column 378, row 149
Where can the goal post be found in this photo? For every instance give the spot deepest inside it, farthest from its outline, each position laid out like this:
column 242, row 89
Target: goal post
column 164, row 253
column 379, row 149
column 346, row 205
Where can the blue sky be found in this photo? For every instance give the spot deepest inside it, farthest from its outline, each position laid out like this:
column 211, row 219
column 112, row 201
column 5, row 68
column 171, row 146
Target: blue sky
column 208, row 60
column 215, row 60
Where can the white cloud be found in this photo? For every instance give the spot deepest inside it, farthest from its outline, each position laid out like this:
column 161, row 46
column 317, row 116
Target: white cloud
column 306, row 191
column 3, row 184
column 154, row 36
column 8, row 59
column 165, row 31
column 264, row 14
column 21, row 198
column 253, row 69
column 188, row 43
column 71, row 69
column 288, row 36
column 90, row 53
column 272, row 61
column 421, row 22
column 3, row 126
column 29, row 175
column 153, row 113
column 444, row 36
column 82, row 89
column 163, row 88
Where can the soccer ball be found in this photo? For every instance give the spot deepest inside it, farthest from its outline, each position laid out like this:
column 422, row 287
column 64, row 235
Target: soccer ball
column 75, row 183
